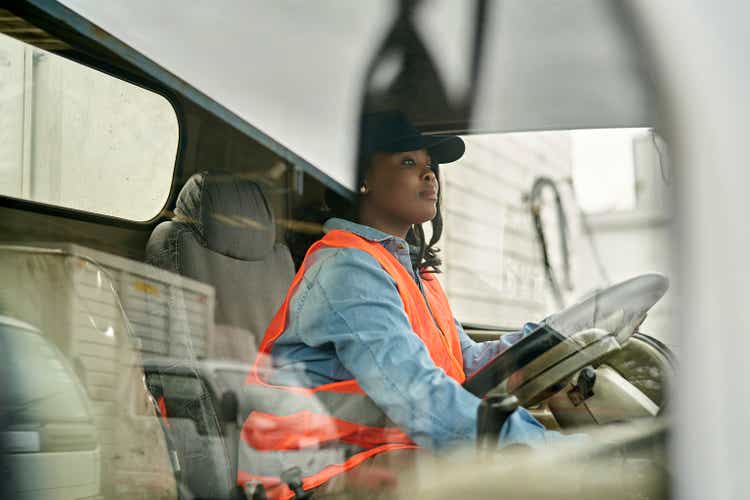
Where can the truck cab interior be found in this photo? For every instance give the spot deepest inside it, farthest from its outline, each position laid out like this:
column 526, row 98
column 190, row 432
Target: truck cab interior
column 130, row 296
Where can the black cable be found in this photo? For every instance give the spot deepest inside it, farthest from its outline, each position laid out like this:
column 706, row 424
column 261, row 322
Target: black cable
column 540, row 183
column 658, row 156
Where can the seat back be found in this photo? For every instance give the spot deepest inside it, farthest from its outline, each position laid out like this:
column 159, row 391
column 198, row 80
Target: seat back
column 223, row 234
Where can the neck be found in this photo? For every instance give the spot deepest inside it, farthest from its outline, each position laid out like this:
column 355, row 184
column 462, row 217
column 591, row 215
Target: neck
column 377, row 221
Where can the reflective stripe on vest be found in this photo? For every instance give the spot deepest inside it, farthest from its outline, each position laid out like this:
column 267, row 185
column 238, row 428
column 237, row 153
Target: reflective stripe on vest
column 332, row 428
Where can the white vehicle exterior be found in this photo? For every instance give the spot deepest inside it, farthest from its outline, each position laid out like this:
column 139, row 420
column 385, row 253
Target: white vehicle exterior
column 53, row 452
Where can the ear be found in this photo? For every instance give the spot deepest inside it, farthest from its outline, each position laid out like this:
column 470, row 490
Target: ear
column 365, row 172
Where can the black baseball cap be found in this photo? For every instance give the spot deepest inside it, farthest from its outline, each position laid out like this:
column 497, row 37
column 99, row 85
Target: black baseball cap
column 392, row 132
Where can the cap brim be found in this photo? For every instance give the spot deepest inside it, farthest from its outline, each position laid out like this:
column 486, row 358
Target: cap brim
column 445, row 148
column 442, row 148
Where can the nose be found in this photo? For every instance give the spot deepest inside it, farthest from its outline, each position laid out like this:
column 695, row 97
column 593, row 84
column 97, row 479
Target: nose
column 429, row 174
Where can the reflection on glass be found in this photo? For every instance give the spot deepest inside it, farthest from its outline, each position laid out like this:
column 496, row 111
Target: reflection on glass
column 616, row 310
column 232, row 379
column 74, row 381
column 44, row 390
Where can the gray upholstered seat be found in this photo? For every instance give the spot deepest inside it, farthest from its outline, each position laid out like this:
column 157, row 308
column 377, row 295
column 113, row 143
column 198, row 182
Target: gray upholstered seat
column 223, row 234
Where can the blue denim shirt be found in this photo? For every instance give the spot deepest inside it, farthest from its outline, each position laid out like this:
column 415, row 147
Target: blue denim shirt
column 346, row 320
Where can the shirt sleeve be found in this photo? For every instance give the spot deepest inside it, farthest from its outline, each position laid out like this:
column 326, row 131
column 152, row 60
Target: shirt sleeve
column 477, row 354
column 358, row 310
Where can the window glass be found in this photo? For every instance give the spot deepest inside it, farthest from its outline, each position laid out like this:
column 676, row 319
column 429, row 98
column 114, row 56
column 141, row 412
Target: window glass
column 346, row 377
column 74, row 137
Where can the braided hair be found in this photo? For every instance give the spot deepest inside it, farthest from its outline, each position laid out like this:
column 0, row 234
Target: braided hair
column 426, row 258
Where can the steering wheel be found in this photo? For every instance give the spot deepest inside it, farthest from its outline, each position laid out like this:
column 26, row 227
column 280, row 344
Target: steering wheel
column 566, row 342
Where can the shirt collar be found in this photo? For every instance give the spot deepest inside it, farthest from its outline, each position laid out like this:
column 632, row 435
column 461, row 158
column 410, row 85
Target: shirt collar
column 404, row 252
column 367, row 232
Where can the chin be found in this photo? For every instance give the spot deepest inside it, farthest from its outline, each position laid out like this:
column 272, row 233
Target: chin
column 425, row 216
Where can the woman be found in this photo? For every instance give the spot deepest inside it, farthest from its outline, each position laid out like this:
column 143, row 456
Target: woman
column 366, row 331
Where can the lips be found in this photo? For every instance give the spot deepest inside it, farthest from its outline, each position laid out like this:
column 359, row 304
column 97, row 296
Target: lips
column 429, row 194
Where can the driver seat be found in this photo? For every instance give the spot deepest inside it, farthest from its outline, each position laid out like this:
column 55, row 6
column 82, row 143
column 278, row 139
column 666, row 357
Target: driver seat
column 224, row 234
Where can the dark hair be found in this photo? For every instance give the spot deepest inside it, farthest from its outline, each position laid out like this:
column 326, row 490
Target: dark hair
column 426, row 259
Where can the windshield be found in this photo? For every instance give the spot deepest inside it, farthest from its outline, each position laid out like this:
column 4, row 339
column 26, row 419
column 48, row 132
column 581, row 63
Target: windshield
column 341, row 271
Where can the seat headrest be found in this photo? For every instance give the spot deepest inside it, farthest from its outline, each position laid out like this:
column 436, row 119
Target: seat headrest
column 229, row 215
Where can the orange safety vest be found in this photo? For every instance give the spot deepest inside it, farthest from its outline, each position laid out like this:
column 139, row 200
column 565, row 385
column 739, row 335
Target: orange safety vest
column 332, row 428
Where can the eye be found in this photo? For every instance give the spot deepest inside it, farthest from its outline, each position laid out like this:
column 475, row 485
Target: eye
column 408, row 161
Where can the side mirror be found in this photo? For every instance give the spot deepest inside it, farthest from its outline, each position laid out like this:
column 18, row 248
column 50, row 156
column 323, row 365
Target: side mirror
column 229, row 407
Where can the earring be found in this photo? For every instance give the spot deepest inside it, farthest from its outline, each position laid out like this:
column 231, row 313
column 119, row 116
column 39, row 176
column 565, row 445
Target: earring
column 363, row 189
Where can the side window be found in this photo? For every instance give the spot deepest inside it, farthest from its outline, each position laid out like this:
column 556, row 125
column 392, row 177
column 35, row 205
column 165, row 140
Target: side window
column 74, row 137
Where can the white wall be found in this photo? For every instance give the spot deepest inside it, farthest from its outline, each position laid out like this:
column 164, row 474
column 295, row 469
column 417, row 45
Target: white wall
column 12, row 99
column 492, row 266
